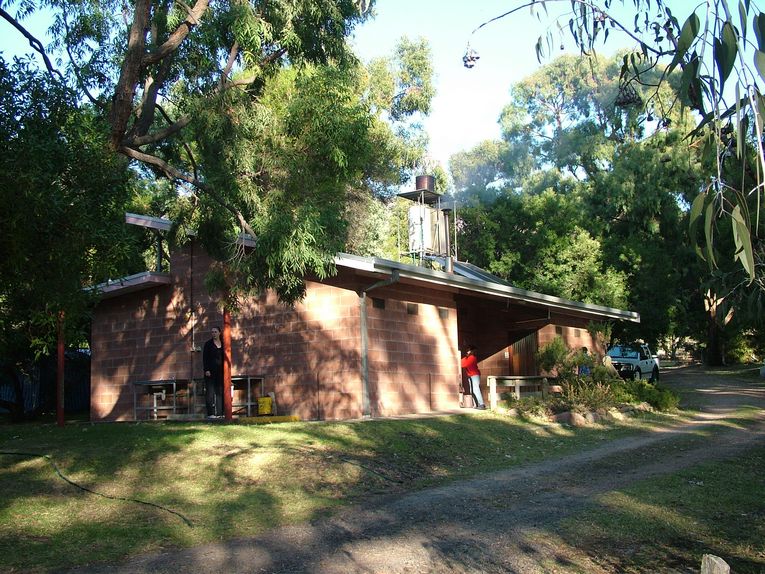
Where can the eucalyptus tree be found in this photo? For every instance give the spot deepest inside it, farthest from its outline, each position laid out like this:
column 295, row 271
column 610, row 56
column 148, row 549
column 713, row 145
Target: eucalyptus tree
column 600, row 211
column 184, row 91
column 399, row 90
column 718, row 54
column 63, row 196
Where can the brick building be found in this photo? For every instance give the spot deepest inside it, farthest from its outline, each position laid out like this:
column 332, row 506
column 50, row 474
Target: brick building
column 379, row 338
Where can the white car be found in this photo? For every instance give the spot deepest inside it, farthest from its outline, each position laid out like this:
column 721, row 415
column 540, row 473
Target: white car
column 634, row 361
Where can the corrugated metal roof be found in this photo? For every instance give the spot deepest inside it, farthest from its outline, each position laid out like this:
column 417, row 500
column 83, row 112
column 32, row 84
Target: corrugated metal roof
column 482, row 285
column 474, row 272
column 466, row 277
column 131, row 283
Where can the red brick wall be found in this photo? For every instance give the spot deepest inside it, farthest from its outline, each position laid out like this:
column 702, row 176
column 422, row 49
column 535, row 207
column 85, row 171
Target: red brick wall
column 310, row 355
column 413, row 353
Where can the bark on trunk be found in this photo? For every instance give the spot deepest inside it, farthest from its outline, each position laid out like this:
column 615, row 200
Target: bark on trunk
column 122, row 104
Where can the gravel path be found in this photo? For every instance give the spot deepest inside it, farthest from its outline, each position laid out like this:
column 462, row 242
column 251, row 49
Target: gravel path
column 492, row 524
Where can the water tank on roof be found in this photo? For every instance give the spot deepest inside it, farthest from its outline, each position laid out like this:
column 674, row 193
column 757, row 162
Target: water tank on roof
column 427, row 230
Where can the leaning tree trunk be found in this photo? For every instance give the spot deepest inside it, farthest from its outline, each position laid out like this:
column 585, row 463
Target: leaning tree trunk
column 714, row 356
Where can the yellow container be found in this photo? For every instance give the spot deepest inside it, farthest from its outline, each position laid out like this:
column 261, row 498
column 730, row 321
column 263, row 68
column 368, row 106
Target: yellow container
column 264, row 406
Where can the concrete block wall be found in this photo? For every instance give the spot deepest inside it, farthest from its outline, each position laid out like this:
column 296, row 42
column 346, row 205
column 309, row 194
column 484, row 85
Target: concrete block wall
column 413, row 354
column 310, row 354
column 140, row 336
column 574, row 337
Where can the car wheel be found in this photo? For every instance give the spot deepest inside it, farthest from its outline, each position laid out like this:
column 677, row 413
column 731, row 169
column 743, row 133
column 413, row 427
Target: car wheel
column 637, row 375
column 655, row 375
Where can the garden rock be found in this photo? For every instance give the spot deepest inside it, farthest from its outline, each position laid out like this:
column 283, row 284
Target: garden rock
column 711, row 564
column 616, row 415
column 571, row 418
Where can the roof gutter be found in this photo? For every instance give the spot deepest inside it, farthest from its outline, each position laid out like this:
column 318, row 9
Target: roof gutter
column 366, row 408
column 509, row 292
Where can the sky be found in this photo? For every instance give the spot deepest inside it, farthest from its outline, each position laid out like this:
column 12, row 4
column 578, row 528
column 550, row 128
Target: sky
column 468, row 101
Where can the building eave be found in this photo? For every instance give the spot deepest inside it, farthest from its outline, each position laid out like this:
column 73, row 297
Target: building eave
column 133, row 283
column 162, row 224
column 476, row 286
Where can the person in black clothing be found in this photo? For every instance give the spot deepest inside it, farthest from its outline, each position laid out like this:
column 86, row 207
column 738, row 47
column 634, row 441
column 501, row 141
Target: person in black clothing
column 212, row 363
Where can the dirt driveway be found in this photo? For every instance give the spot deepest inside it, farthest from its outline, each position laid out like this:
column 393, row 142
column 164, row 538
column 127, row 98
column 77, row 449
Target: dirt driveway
column 495, row 523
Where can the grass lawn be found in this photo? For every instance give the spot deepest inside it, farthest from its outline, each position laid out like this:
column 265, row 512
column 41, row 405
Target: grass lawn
column 234, row 480
column 713, row 508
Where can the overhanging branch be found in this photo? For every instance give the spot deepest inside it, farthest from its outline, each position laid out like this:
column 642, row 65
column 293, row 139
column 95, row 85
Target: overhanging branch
column 159, row 135
column 175, row 174
column 33, row 42
column 175, row 39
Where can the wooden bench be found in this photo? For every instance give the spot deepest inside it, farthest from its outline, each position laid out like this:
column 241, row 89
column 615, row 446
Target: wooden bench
column 517, row 383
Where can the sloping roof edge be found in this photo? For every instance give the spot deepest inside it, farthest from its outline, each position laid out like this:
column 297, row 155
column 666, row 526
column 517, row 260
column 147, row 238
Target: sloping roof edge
column 474, row 278
column 162, row 224
column 131, row 283
column 385, row 266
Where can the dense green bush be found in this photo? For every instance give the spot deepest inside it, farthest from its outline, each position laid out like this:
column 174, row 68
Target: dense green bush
column 552, row 356
column 601, row 389
column 746, row 347
column 660, row 398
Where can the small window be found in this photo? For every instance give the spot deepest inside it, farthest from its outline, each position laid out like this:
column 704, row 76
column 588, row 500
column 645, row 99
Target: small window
column 443, row 312
column 577, row 333
column 378, row 303
column 558, row 330
column 411, row 308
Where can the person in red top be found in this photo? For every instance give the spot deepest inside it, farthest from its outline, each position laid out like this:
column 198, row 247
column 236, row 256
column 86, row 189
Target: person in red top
column 470, row 364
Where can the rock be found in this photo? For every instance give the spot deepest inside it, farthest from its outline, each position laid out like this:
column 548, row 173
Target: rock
column 577, row 420
column 592, row 417
column 562, row 418
column 711, row 564
column 570, row 418
column 616, row 415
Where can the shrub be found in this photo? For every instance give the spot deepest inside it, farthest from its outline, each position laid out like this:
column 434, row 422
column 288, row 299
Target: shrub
column 660, row 398
column 556, row 357
column 527, row 406
column 743, row 348
column 551, row 356
column 601, row 374
column 583, row 395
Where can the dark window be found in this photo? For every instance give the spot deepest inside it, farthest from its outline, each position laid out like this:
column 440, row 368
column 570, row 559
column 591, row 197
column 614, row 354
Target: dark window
column 411, row 308
column 443, row 312
column 378, row 303
column 577, row 333
column 558, row 330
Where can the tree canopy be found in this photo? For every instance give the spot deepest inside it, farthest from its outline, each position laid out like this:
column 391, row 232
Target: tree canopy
column 193, row 94
column 585, row 201
column 715, row 61
column 64, row 196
